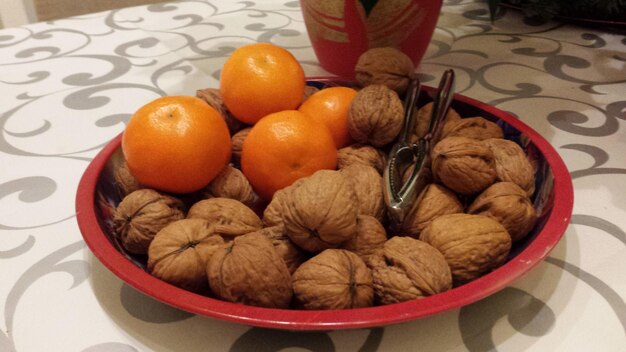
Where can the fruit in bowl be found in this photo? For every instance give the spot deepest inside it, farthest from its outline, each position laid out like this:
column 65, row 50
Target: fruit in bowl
column 332, row 219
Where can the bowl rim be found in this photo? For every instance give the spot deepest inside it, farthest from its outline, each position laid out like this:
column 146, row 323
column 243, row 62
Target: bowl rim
column 522, row 263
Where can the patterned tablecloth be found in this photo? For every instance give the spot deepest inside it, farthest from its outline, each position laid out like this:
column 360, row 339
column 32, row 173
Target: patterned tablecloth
column 67, row 87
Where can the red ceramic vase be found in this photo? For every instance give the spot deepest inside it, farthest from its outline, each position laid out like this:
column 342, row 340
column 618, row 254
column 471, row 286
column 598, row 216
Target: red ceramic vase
column 341, row 30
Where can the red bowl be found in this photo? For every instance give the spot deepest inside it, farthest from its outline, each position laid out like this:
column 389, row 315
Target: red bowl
column 97, row 196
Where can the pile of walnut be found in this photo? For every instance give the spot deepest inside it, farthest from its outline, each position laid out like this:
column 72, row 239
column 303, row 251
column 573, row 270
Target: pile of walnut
column 323, row 242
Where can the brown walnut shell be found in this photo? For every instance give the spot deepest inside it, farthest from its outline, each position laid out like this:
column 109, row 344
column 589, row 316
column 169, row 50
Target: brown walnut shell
column 180, row 252
column 472, row 127
column 464, row 165
column 291, row 254
column 231, row 183
column 213, row 97
column 368, row 187
column 333, row 279
column 422, row 120
column 236, row 142
column 370, row 237
column 385, row 65
column 512, row 164
column 434, row 201
column 248, row 270
column 125, row 181
column 361, row 154
column 230, row 217
column 321, row 212
column 408, row 269
column 473, row 245
column 508, row 203
column 143, row 213
column 375, row 116
column 272, row 215
column 308, row 91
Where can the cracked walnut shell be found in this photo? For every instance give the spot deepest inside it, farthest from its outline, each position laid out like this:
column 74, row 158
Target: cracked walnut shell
column 320, row 212
column 180, row 252
column 385, row 65
column 333, row 279
column 143, row 213
column 464, row 165
column 375, row 116
column 408, row 269
column 248, row 270
column 473, row 245
column 230, row 217
column 508, row 203
column 512, row 164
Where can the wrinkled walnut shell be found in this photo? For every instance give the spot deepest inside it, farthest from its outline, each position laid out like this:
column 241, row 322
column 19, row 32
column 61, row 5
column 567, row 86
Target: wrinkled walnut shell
column 368, row 188
column 125, row 181
column 213, row 97
column 361, row 154
column 333, row 279
column 422, row 120
column 472, row 244
column 143, row 213
column 408, row 269
column 230, row 217
column 388, row 66
column 464, row 165
column 434, row 201
column 272, row 215
column 236, row 142
column 512, row 164
column 291, row 254
column 180, row 252
column 321, row 212
column 370, row 237
column 472, row 127
column 375, row 116
column 508, row 203
column 231, row 183
column 248, row 270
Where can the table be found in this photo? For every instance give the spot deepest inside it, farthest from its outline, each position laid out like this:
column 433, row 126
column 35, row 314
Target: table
column 67, row 87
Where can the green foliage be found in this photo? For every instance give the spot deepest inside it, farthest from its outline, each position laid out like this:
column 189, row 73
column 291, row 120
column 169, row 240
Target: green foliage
column 610, row 10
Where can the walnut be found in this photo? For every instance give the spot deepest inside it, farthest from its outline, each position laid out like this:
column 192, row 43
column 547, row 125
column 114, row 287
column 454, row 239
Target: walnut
column 472, row 244
column 143, row 213
column 320, row 212
column 230, row 217
column 236, row 142
column 333, row 279
column 422, row 120
column 248, row 270
column 434, row 201
column 291, row 254
column 386, row 65
column 272, row 215
column 370, row 236
column 512, row 164
column 361, row 154
column 408, row 269
column 375, row 116
column 308, row 91
column 125, row 181
column 180, row 252
column 213, row 97
column 509, row 204
column 472, row 127
column 368, row 187
column 231, row 183
column 464, row 165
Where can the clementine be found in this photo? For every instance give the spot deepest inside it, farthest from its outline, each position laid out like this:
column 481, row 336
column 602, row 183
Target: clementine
column 284, row 147
column 259, row 79
column 176, row 144
column 330, row 106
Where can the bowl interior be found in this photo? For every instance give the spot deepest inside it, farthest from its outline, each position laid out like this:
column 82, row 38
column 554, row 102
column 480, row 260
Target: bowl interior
column 98, row 195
